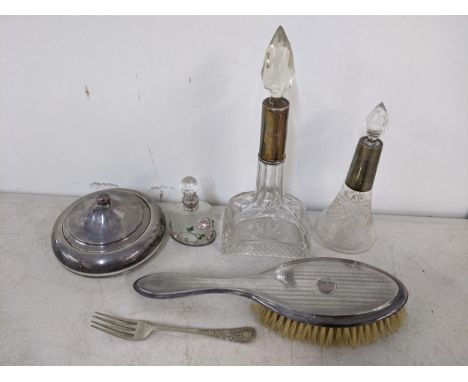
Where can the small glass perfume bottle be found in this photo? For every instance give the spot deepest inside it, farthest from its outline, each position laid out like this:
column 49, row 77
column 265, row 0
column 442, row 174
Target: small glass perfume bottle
column 347, row 224
column 191, row 220
column 267, row 222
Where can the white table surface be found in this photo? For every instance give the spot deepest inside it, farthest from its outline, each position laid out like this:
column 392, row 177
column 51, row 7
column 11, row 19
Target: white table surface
column 45, row 309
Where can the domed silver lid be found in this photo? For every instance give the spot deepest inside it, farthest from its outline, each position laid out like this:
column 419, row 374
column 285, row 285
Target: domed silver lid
column 108, row 232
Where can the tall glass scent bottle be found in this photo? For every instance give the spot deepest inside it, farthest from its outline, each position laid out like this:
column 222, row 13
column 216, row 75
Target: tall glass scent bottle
column 347, row 224
column 191, row 220
column 268, row 222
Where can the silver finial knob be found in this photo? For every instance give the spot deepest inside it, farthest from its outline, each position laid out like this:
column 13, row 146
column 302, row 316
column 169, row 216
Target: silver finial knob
column 103, row 200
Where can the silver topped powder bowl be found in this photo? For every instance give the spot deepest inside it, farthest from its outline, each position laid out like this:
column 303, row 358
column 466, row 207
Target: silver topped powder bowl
column 108, row 232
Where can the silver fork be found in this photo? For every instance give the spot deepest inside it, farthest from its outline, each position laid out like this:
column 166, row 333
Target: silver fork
column 137, row 330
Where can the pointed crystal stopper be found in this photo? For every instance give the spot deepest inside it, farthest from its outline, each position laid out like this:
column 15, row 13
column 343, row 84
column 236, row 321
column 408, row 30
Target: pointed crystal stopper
column 278, row 65
column 377, row 122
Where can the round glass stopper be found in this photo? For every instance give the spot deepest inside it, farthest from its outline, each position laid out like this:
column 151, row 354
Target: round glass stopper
column 189, row 185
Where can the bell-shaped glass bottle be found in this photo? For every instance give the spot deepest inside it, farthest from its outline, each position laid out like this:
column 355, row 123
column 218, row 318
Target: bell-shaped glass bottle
column 191, row 221
column 346, row 225
column 267, row 222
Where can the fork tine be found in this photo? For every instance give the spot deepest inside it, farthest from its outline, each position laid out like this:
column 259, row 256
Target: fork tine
column 126, row 336
column 113, row 328
column 114, row 324
column 117, row 319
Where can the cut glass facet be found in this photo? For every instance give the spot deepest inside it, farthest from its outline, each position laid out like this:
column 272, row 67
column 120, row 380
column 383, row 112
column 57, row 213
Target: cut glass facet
column 278, row 65
column 266, row 222
column 377, row 122
column 347, row 224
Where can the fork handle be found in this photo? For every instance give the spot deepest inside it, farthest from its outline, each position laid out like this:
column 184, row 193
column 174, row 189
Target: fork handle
column 242, row 335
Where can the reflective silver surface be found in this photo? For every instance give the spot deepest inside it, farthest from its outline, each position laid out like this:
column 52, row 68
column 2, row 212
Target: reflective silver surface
column 108, row 232
column 320, row 291
column 137, row 330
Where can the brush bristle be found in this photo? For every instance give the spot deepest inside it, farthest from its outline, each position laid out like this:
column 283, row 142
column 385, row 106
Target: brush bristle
column 329, row 336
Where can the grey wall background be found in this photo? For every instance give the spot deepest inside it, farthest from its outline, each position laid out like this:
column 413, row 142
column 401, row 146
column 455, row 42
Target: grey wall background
column 143, row 101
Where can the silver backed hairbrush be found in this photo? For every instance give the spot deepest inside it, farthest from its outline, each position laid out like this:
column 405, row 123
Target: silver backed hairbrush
column 322, row 300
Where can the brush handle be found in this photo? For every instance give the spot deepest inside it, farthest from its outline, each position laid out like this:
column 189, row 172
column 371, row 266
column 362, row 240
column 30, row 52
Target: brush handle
column 169, row 285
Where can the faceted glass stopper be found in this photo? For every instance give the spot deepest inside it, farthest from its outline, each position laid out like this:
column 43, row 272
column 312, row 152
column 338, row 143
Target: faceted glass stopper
column 189, row 187
column 278, row 65
column 377, row 122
